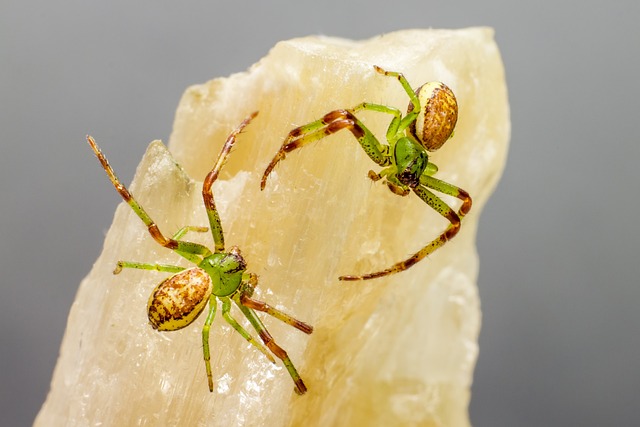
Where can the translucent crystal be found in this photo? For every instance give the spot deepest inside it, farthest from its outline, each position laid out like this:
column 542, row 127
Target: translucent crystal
column 396, row 351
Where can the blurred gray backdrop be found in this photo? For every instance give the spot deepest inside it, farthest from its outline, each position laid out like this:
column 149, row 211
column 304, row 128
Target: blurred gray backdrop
column 558, row 242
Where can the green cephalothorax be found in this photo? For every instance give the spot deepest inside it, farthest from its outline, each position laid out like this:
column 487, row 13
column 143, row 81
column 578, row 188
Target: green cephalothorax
column 226, row 270
column 411, row 160
column 219, row 276
column 431, row 117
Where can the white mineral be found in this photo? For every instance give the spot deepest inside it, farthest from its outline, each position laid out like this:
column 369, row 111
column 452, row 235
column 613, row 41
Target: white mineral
column 395, row 351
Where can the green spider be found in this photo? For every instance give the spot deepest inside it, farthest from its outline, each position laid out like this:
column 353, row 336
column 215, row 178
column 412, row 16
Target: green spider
column 219, row 275
column 430, row 120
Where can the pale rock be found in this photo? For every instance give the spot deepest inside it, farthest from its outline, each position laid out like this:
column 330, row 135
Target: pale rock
column 396, row 351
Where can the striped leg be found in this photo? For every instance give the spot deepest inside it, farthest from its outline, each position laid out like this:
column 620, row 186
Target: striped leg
column 331, row 123
column 179, row 246
column 207, row 193
column 443, row 209
column 268, row 340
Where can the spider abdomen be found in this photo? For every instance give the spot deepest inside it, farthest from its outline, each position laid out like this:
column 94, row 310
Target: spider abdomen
column 178, row 300
column 438, row 116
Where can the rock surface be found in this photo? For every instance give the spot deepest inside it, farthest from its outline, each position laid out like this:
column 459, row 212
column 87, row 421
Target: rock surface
column 396, row 351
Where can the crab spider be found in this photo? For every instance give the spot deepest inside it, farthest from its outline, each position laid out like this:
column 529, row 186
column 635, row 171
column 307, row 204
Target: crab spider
column 429, row 122
column 218, row 276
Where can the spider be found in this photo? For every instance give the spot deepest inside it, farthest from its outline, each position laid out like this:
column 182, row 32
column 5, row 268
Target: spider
column 430, row 120
column 218, row 276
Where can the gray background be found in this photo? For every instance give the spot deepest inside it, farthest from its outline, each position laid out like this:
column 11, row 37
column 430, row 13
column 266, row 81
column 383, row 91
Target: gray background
column 558, row 242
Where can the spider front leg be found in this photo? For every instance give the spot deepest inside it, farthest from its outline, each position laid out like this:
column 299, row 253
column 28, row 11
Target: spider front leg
column 439, row 206
column 345, row 119
column 226, row 314
column 415, row 101
column 331, row 123
column 207, row 193
column 191, row 251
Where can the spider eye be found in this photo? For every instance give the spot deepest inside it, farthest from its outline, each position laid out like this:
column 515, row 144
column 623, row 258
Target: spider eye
column 226, row 270
column 437, row 119
column 411, row 160
column 233, row 262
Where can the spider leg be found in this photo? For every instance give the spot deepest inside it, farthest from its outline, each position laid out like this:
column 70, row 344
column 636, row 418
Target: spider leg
column 268, row 340
column 180, row 247
column 443, row 209
column 266, row 308
column 213, row 305
column 207, row 194
column 187, row 228
column 450, row 189
column 329, row 124
column 226, row 313
column 246, row 292
column 184, row 230
column 166, row 268
column 411, row 116
column 392, row 130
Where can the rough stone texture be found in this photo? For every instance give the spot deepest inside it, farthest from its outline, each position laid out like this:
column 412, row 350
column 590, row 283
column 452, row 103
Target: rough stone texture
column 393, row 351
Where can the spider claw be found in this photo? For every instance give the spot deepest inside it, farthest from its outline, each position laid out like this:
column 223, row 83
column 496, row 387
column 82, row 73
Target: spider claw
column 118, row 268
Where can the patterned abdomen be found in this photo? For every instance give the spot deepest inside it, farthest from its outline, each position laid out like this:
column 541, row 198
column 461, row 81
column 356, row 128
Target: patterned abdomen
column 177, row 301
